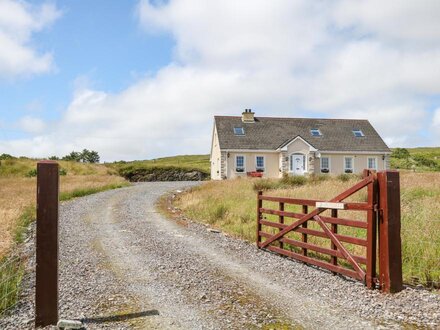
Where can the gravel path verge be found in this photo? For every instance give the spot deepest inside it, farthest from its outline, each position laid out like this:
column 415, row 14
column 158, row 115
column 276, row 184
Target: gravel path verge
column 123, row 265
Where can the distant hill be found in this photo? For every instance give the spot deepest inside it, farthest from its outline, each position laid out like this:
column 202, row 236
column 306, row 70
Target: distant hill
column 184, row 167
column 419, row 159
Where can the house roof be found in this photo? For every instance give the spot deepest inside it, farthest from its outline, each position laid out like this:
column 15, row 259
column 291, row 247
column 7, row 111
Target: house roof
column 269, row 133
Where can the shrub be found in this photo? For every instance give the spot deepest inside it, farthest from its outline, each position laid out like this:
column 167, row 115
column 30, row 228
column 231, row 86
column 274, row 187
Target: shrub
column 6, row 156
column 400, row 153
column 63, row 171
column 265, row 184
column 295, row 180
column 424, row 161
column 32, row 173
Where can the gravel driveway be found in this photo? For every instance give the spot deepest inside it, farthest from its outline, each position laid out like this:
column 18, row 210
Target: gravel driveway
column 124, row 265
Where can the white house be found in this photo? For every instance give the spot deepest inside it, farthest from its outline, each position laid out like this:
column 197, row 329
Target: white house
column 243, row 145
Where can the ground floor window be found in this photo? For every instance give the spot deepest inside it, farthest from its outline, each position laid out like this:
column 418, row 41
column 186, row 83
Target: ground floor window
column 325, row 164
column 348, row 164
column 259, row 160
column 372, row 163
column 239, row 164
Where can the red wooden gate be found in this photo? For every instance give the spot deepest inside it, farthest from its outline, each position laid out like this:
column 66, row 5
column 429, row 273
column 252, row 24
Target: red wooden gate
column 300, row 241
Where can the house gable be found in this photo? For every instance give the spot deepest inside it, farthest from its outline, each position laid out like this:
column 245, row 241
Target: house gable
column 297, row 143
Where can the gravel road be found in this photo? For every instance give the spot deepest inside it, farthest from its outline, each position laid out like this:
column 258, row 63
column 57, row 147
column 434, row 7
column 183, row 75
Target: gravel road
column 123, row 265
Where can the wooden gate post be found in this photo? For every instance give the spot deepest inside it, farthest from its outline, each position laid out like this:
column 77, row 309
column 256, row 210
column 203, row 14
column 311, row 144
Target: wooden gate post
column 390, row 254
column 259, row 206
column 46, row 289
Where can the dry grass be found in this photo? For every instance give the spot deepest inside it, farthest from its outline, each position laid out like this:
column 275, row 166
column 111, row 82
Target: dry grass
column 18, row 193
column 231, row 206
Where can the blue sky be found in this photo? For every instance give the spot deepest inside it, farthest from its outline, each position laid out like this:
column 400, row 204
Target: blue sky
column 107, row 51
column 136, row 79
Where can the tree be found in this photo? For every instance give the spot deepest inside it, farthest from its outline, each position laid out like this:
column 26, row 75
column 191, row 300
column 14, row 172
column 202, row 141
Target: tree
column 89, row 156
column 6, row 156
column 400, row 153
column 85, row 156
column 73, row 156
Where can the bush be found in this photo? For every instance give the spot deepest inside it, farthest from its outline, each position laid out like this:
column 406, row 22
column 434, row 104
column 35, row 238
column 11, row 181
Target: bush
column 400, row 153
column 6, row 156
column 32, row 173
column 295, row 180
column 63, row 171
column 265, row 184
column 423, row 161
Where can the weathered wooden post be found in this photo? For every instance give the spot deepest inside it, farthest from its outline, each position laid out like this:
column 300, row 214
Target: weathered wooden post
column 390, row 254
column 46, row 291
column 259, row 206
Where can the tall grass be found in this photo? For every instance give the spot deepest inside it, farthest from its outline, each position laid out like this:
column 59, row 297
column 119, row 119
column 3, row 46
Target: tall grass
column 11, row 274
column 231, row 206
column 12, row 267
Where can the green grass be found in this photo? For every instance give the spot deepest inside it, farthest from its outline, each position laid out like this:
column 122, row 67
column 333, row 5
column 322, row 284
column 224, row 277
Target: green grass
column 11, row 274
column 65, row 196
column 12, row 267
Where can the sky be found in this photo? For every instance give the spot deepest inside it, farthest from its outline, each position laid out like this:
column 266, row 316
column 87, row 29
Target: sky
column 143, row 79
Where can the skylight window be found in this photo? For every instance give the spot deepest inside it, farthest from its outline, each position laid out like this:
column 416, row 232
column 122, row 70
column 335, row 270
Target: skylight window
column 315, row 132
column 358, row 133
column 238, row 130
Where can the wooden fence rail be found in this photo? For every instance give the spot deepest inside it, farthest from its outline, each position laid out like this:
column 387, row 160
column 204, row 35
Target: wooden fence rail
column 382, row 226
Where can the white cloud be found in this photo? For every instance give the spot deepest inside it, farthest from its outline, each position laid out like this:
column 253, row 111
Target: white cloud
column 18, row 21
column 31, row 124
column 290, row 58
column 412, row 21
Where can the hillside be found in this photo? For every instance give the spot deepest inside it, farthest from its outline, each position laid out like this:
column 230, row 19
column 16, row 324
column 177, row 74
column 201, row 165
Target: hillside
column 416, row 159
column 176, row 168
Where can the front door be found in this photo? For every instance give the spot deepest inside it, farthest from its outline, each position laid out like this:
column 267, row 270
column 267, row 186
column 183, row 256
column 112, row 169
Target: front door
column 297, row 164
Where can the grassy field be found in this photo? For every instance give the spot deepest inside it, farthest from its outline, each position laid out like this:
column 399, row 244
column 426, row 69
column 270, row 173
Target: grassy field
column 17, row 191
column 17, row 209
column 199, row 162
column 230, row 205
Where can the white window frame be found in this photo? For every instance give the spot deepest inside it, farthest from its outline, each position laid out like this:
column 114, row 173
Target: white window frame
column 376, row 162
column 329, row 164
column 360, row 131
column 290, row 161
column 264, row 164
column 244, row 164
column 352, row 164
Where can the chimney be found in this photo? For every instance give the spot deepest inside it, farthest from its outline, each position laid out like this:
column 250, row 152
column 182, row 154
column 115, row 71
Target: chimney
column 248, row 116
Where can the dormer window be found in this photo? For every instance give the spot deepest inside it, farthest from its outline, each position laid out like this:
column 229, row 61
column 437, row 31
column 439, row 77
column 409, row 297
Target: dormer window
column 238, row 131
column 315, row 132
column 358, row 133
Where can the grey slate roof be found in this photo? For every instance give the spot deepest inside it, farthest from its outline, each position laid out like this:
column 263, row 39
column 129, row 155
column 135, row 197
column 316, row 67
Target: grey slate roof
column 270, row 133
